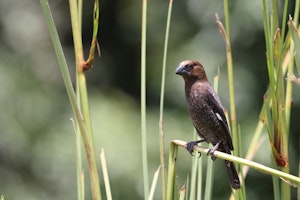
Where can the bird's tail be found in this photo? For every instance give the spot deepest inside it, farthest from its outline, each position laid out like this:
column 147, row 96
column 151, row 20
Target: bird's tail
column 232, row 175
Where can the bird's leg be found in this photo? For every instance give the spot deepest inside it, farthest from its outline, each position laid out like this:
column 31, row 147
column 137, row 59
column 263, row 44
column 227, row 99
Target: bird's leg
column 212, row 151
column 190, row 145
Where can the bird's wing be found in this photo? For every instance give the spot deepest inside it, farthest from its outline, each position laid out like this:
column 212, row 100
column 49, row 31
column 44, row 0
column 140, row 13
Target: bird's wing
column 217, row 107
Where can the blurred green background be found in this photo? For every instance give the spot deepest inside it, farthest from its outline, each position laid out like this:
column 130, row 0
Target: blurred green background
column 37, row 140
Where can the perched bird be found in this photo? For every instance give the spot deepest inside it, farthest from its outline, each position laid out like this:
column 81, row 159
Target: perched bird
column 206, row 112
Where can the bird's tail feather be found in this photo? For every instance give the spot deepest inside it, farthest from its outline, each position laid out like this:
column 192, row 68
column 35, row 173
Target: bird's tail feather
column 232, row 175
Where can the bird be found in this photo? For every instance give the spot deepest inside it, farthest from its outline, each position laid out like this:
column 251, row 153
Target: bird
column 207, row 114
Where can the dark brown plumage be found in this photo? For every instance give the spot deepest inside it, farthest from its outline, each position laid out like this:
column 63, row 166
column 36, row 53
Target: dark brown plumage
column 207, row 113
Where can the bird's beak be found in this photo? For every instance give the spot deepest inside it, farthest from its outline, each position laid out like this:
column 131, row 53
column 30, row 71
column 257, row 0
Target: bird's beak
column 181, row 70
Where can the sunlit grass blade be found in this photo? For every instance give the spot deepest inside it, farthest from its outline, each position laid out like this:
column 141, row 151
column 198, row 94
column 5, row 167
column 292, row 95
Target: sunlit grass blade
column 254, row 145
column 143, row 101
column 105, row 175
column 154, row 183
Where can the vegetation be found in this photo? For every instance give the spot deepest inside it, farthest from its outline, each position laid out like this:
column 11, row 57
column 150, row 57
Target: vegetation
column 143, row 158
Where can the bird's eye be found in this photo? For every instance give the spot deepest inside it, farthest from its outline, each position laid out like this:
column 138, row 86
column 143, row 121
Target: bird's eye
column 190, row 66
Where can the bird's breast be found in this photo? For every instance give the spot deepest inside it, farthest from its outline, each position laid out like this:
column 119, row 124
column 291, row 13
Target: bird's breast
column 202, row 115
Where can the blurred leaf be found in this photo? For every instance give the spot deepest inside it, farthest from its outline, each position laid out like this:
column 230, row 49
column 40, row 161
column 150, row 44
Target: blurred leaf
column 296, row 38
column 154, row 183
column 182, row 192
column 105, row 175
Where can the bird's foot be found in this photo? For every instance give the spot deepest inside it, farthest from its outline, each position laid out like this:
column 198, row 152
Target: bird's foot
column 211, row 152
column 190, row 146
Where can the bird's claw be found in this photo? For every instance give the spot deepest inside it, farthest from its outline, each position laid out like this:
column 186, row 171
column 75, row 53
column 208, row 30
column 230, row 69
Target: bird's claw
column 199, row 154
column 190, row 146
column 211, row 153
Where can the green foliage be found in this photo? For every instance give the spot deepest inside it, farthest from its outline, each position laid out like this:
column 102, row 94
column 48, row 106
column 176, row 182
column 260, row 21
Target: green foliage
column 79, row 103
column 276, row 108
column 36, row 149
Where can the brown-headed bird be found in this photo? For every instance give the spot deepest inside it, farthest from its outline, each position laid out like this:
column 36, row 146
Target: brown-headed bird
column 207, row 114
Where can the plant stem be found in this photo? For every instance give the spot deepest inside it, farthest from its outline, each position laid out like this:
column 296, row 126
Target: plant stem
column 173, row 153
column 105, row 175
column 143, row 101
column 70, row 91
column 162, row 94
column 230, row 80
column 285, row 176
column 88, row 139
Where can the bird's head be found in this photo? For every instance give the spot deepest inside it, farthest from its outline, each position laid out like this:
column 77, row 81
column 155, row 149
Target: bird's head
column 191, row 69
